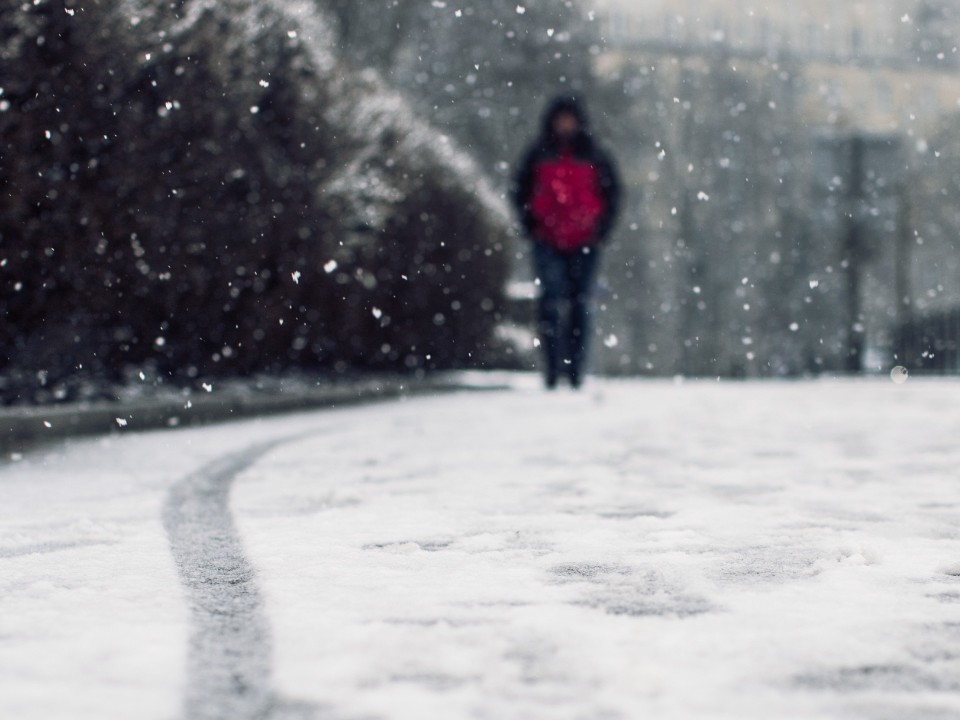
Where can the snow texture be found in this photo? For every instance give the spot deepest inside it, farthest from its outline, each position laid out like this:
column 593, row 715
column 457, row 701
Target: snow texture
column 641, row 549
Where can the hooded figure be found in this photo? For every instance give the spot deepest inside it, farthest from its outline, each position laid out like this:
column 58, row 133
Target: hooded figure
column 566, row 194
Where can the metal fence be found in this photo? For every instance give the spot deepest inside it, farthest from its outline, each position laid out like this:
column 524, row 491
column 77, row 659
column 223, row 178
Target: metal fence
column 931, row 343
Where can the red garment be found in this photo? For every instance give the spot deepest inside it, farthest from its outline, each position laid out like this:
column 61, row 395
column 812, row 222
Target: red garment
column 567, row 203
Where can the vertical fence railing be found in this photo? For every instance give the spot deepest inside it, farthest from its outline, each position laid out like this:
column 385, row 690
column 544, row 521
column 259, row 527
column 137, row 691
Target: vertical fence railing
column 931, row 343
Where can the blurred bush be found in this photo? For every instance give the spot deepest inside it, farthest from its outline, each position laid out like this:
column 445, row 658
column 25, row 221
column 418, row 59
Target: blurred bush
column 207, row 189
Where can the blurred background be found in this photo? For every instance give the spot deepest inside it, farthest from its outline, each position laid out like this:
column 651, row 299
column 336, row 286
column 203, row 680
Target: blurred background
column 198, row 189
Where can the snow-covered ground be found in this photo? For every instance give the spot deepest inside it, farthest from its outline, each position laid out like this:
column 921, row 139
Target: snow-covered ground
column 641, row 549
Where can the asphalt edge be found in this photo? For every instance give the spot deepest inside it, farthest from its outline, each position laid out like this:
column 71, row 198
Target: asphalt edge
column 25, row 428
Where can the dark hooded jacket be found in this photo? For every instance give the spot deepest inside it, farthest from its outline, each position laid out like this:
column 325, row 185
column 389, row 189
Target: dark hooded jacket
column 548, row 147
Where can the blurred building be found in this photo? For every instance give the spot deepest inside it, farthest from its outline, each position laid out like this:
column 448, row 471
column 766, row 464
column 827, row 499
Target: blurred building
column 879, row 75
column 816, row 28
column 877, row 66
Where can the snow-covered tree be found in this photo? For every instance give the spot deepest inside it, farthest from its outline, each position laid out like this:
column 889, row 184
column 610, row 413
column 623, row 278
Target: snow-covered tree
column 206, row 188
column 482, row 73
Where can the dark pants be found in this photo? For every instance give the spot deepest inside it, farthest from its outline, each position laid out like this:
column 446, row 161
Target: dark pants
column 566, row 282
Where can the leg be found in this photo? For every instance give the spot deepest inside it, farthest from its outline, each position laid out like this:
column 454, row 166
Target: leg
column 550, row 269
column 582, row 269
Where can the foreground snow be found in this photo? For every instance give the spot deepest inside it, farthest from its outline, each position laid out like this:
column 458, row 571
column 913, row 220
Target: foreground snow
column 642, row 549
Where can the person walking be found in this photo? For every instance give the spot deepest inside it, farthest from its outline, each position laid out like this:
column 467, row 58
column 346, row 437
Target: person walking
column 566, row 193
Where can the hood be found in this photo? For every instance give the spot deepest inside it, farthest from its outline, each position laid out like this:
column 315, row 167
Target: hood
column 572, row 105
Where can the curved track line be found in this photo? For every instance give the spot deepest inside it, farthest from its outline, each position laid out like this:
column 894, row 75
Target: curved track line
column 230, row 651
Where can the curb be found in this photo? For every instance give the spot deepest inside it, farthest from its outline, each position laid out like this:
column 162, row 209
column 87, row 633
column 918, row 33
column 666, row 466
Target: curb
column 23, row 428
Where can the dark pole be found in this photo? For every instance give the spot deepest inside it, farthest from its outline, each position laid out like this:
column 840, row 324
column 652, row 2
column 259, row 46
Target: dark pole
column 854, row 253
column 904, row 306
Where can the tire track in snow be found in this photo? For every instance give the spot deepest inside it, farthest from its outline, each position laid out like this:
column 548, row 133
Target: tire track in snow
column 230, row 651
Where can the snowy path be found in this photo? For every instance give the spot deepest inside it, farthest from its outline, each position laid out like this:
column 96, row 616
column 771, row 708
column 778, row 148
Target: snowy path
column 702, row 550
